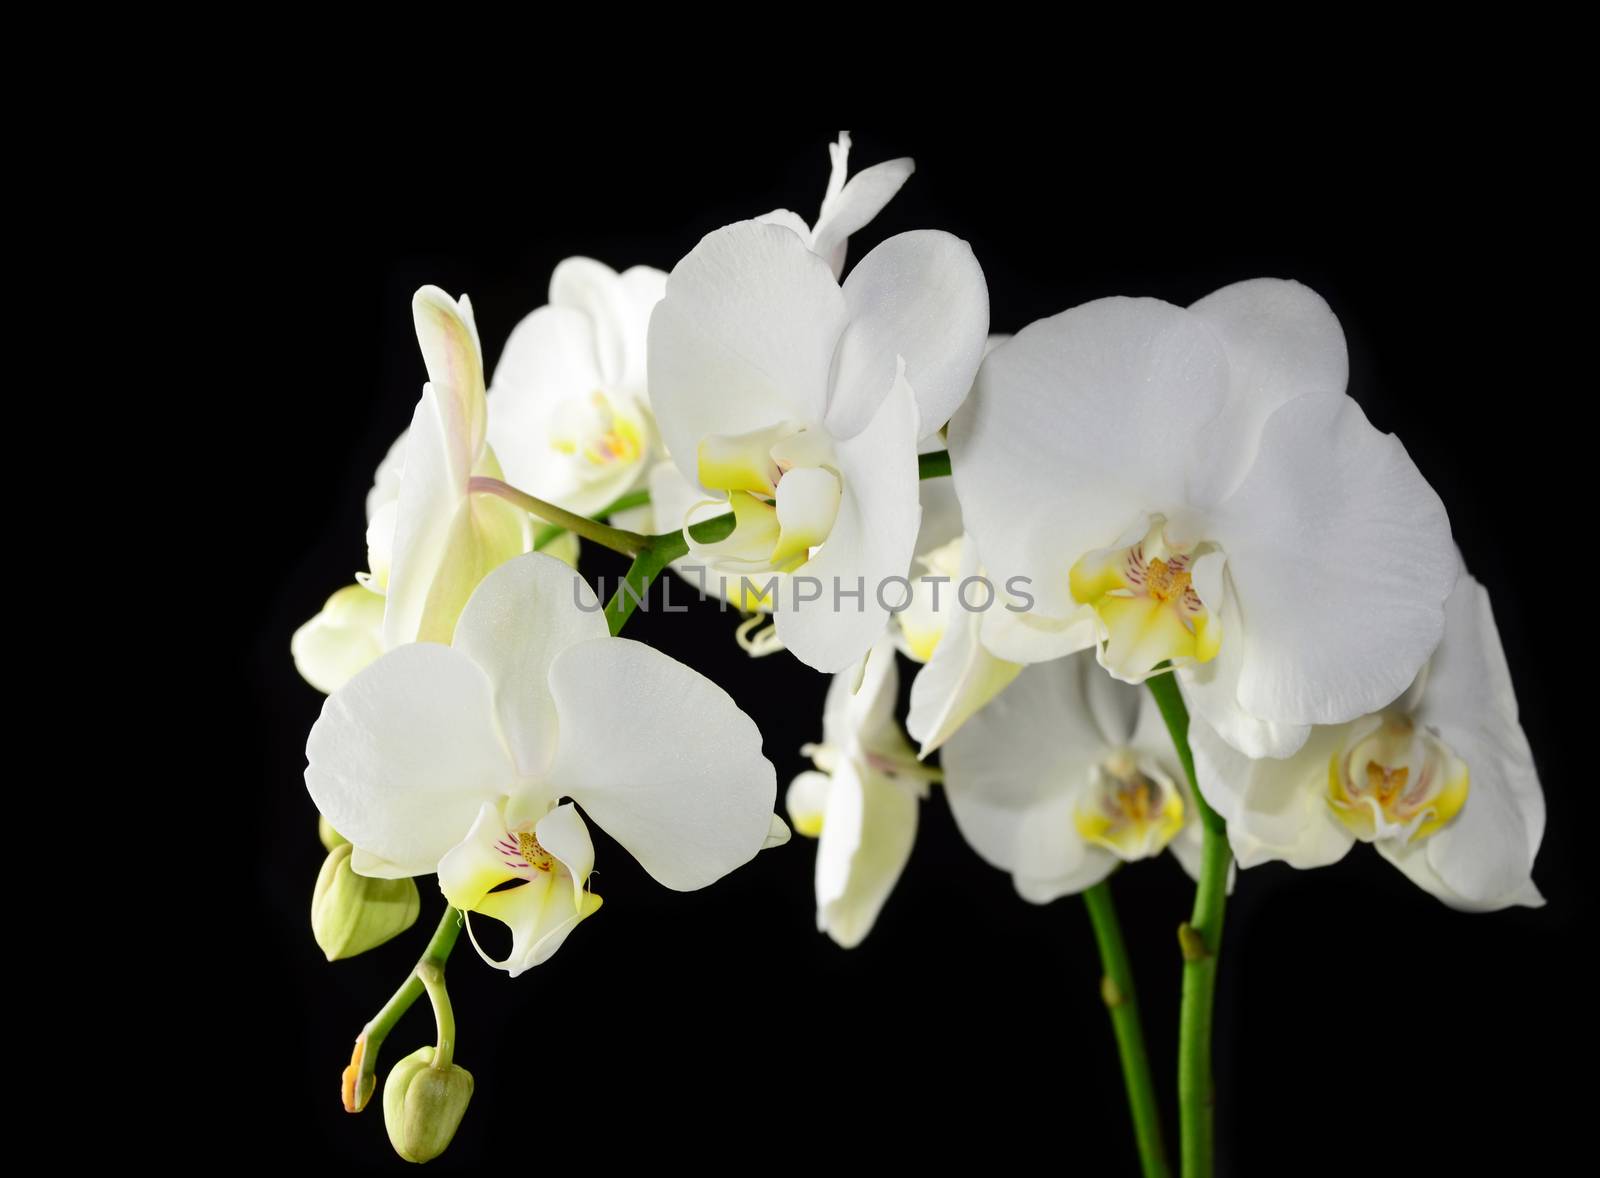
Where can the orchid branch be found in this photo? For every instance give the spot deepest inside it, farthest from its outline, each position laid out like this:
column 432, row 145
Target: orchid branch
column 360, row 1077
column 627, row 543
column 1200, row 939
column 1116, row 990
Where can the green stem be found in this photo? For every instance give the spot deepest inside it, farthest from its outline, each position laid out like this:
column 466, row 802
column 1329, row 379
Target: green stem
column 1200, row 939
column 634, row 585
column 360, row 1078
column 548, row 534
column 933, row 466
column 627, row 543
column 1116, row 990
column 444, row 1015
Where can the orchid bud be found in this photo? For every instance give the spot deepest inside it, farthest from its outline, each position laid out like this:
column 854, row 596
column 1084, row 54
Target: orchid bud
column 352, row 913
column 423, row 1105
column 330, row 837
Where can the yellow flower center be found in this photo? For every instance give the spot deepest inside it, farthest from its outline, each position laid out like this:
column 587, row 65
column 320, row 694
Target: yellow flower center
column 1149, row 609
column 532, row 853
column 1132, row 808
column 784, row 489
column 600, row 433
column 1169, row 582
column 1394, row 780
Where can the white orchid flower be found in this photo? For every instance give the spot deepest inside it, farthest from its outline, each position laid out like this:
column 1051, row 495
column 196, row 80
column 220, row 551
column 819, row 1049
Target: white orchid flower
column 457, row 759
column 429, row 541
column 861, row 801
column 846, row 208
column 847, row 205
column 1065, row 775
column 1193, row 487
column 801, row 403
column 569, row 405
column 1441, row 781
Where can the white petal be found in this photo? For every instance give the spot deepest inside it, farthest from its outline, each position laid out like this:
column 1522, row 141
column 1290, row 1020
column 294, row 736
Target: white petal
column 404, row 755
column 595, row 290
column 386, row 479
column 662, row 759
column 921, row 297
column 941, row 511
column 871, row 541
column 345, row 636
column 487, row 531
column 808, row 503
column 1341, row 557
column 563, row 833
column 1029, row 637
column 1077, row 426
column 791, row 221
column 854, row 206
column 437, row 467
column 1485, row 856
column 1211, row 691
column 540, row 914
column 520, row 619
column 1014, row 772
column 644, row 286
column 449, row 341
column 1275, row 809
column 960, row 678
column 548, row 372
column 867, row 834
column 743, row 339
column 1282, row 341
column 861, row 700
column 478, row 864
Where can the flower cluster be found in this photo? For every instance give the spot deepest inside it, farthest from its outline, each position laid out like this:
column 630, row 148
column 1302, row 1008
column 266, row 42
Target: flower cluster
column 1137, row 493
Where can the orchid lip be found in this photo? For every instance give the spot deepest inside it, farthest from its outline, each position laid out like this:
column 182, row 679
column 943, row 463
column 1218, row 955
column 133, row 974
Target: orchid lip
column 1395, row 781
column 1132, row 807
column 1150, row 608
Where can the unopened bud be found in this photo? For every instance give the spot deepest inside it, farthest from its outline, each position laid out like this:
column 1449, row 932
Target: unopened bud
column 330, row 837
column 352, row 913
column 423, row 1105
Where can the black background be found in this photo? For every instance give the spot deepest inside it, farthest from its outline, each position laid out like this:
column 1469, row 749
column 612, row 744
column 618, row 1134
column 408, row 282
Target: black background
column 1362, row 1026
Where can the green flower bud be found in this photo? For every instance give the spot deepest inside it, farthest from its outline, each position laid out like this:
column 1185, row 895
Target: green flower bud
column 352, row 913
column 423, row 1105
column 330, row 837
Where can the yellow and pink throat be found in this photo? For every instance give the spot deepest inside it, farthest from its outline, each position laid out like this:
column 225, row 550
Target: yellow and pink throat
column 783, row 486
column 1149, row 608
column 1132, row 807
column 1394, row 780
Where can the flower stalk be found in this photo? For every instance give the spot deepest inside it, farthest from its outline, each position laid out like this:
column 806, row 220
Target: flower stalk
column 1200, row 939
column 616, row 539
column 360, row 1077
column 1116, row 990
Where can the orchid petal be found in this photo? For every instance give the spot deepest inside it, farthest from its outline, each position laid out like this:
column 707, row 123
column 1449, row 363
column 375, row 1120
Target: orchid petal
column 870, row 543
column 404, row 755
column 517, row 623
column 688, row 793
column 743, row 338
column 345, row 636
column 868, row 830
column 1341, row 557
column 920, row 297
column 1124, row 385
